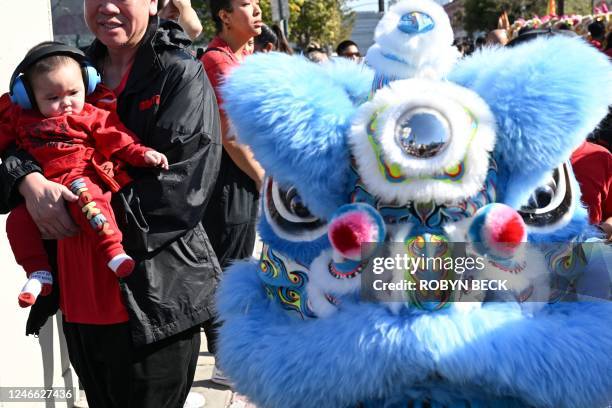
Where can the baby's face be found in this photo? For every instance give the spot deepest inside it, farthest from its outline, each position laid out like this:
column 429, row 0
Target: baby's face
column 60, row 91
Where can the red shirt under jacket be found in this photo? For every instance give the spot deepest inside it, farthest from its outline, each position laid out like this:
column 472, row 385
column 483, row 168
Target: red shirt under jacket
column 592, row 166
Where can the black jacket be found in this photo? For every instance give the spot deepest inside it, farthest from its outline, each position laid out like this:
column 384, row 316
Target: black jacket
column 170, row 105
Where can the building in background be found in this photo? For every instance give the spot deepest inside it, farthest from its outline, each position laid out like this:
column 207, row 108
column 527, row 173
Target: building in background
column 69, row 24
column 27, row 362
column 363, row 30
column 456, row 12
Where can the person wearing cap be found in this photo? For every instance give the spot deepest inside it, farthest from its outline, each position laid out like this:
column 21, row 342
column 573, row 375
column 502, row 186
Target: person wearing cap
column 597, row 34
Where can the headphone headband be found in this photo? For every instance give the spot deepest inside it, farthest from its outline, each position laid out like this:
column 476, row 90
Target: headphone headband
column 53, row 48
column 20, row 90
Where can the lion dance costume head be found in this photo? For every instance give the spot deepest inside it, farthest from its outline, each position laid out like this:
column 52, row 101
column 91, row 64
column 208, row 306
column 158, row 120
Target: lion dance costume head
column 419, row 150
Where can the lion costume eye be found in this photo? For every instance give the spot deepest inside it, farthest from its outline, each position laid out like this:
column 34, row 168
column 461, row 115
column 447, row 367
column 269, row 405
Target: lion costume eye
column 422, row 133
column 550, row 203
column 287, row 214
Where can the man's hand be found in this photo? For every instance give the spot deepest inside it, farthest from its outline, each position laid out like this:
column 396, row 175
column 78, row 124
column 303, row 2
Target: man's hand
column 45, row 203
column 606, row 227
column 156, row 159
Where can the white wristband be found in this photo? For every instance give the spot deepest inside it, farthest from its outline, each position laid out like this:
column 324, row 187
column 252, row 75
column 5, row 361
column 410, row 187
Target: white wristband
column 44, row 277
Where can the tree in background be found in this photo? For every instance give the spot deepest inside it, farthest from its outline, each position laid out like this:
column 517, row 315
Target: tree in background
column 208, row 28
column 482, row 15
column 326, row 22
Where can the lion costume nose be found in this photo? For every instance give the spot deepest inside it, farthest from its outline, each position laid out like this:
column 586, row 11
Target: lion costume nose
column 354, row 225
column 498, row 230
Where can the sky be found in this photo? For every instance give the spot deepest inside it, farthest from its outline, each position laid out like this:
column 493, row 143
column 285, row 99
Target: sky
column 372, row 5
column 364, row 5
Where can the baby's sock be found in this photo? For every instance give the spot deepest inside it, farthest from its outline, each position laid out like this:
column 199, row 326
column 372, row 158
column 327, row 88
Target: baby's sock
column 122, row 265
column 39, row 283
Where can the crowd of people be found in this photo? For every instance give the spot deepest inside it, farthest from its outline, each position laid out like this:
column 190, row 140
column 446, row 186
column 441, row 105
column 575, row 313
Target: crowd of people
column 96, row 155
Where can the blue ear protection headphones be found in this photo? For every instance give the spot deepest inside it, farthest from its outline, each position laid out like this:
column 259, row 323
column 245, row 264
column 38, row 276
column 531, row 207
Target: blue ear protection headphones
column 20, row 90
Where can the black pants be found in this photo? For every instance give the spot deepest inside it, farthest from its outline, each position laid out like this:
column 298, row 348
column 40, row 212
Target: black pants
column 114, row 374
column 239, row 242
column 230, row 221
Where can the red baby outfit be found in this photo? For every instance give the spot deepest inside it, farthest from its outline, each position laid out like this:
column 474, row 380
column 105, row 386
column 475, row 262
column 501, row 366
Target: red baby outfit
column 74, row 150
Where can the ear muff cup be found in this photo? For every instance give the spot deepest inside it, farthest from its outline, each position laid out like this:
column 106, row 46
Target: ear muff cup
column 20, row 94
column 91, row 78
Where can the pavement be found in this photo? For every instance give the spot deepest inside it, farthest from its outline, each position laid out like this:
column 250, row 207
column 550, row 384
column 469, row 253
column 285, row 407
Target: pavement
column 217, row 396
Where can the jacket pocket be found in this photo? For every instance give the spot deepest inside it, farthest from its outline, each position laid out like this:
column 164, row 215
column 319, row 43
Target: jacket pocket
column 196, row 247
column 131, row 221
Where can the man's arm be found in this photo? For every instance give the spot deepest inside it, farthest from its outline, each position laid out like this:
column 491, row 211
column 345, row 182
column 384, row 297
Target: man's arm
column 241, row 155
column 188, row 19
column 16, row 164
column 606, row 227
column 218, row 68
column 22, row 178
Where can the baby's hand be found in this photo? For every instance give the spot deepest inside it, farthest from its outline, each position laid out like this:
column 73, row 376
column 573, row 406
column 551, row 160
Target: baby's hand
column 156, row 159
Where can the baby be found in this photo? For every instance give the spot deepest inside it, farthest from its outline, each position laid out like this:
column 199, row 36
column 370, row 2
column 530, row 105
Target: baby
column 78, row 145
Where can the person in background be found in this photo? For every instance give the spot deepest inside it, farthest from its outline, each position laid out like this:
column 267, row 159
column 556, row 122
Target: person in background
column 479, row 43
column 317, row 55
column 180, row 11
column 597, row 34
column 592, row 165
column 348, row 49
column 464, row 46
column 497, row 37
column 608, row 47
column 231, row 217
column 135, row 342
column 272, row 39
column 249, row 48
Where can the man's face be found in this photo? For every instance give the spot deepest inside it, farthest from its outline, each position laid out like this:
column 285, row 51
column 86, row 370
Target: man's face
column 351, row 52
column 119, row 23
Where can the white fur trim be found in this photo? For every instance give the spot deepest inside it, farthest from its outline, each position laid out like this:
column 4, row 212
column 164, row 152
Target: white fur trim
column 451, row 102
column 430, row 53
column 379, row 60
column 318, row 303
column 320, row 277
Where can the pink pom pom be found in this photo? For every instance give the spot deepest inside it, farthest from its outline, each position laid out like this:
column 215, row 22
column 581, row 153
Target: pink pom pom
column 349, row 231
column 503, row 229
